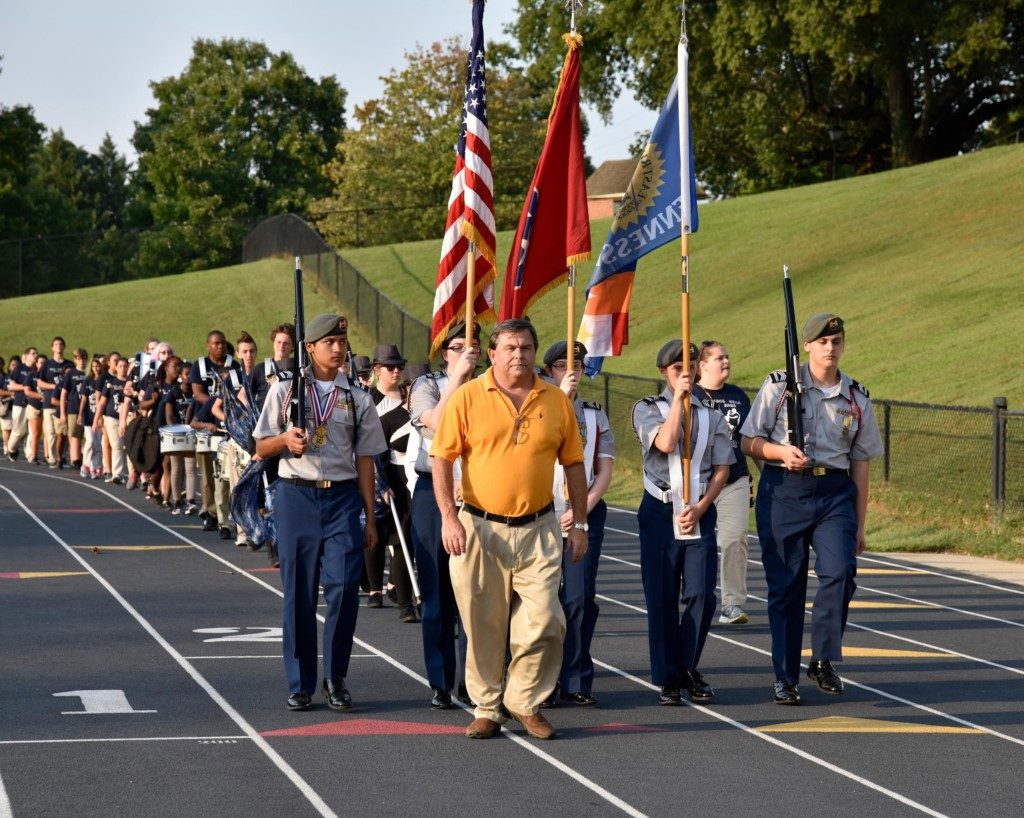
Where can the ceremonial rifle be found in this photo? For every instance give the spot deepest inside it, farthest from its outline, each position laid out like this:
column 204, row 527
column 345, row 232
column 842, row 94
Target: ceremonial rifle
column 794, row 388
column 298, row 407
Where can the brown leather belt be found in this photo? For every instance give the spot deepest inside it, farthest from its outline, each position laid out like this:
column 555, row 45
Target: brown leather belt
column 523, row 519
column 816, row 471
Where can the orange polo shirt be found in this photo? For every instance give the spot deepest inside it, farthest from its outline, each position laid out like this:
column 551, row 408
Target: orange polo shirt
column 498, row 474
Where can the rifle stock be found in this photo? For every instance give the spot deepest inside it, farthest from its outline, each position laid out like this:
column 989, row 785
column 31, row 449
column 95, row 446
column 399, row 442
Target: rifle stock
column 794, row 416
column 298, row 407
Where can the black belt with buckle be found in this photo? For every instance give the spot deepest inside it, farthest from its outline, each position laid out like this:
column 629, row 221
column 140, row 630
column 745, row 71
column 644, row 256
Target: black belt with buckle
column 522, row 519
column 816, row 471
column 318, row 484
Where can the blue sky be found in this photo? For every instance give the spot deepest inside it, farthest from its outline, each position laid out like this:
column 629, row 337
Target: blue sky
column 86, row 66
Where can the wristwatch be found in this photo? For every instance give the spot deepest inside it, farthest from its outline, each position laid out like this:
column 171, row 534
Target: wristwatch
column 581, row 526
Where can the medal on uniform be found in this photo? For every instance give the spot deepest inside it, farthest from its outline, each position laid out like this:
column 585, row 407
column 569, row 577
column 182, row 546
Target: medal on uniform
column 323, row 408
column 847, row 423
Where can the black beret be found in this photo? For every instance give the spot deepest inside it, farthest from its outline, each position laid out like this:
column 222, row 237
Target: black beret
column 558, row 352
column 459, row 331
column 822, row 323
column 325, row 324
column 673, row 352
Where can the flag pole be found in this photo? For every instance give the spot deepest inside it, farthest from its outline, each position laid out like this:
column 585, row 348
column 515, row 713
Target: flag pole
column 470, row 297
column 684, row 238
column 570, row 331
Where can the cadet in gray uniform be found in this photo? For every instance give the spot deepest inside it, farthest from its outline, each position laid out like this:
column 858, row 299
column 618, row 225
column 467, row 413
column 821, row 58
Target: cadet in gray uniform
column 817, row 497
column 325, row 481
column 669, row 564
column 578, row 590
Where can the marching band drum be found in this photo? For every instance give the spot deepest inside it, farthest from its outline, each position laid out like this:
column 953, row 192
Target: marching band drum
column 177, row 439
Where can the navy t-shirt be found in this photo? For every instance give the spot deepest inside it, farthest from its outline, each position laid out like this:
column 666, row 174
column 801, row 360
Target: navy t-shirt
column 179, row 403
column 113, row 391
column 72, row 384
column 280, row 370
column 20, row 372
column 212, row 381
column 88, row 399
column 732, row 402
column 29, row 379
column 53, row 372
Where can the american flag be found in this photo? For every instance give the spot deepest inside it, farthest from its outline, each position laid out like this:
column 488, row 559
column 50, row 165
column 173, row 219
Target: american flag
column 471, row 204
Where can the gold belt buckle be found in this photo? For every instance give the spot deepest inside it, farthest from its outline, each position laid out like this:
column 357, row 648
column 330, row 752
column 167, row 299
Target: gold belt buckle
column 323, row 484
column 819, row 471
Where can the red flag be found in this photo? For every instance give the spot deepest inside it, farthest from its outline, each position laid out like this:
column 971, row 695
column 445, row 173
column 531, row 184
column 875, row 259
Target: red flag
column 554, row 228
column 470, row 206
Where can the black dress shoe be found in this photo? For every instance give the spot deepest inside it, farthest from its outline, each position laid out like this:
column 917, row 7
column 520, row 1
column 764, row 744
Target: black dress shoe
column 462, row 694
column 821, row 671
column 210, row 524
column 337, row 695
column 392, row 592
column 670, row 696
column 700, row 690
column 376, row 600
column 225, row 533
column 582, row 699
column 300, row 701
column 785, row 693
column 550, row 701
column 409, row 615
column 442, row 699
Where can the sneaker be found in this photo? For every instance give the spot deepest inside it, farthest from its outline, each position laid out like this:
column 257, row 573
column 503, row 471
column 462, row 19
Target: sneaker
column 191, row 508
column 12, row 456
column 133, row 483
column 53, row 465
column 84, row 473
column 97, row 474
column 176, row 509
column 733, row 615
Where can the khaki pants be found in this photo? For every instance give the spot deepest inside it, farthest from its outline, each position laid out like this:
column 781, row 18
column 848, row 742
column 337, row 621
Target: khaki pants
column 52, row 426
column 506, row 586
column 234, row 464
column 117, row 458
column 19, row 428
column 206, row 480
column 733, row 506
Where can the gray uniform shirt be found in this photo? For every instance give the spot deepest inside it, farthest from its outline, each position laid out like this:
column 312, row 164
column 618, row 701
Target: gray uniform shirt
column 839, row 422
column 336, row 460
column 647, row 420
column 426, row 394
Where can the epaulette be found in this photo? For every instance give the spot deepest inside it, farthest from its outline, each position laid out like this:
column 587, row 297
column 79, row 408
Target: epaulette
column 592, row 404
column 860, row 388
column 778, row 376
column 651, row 399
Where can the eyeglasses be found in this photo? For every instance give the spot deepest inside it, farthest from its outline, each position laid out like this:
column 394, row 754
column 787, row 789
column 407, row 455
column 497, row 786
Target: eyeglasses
column 519, row 427
column 458, row 349
column 576, row 365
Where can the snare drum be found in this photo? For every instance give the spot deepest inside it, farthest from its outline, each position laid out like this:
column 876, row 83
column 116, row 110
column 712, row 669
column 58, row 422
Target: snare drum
column 177, row 439
column 221, row 464
column 203, row 441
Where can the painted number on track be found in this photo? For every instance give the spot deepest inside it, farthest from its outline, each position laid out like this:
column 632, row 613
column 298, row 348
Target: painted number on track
column 99, row 702
column 250, row 634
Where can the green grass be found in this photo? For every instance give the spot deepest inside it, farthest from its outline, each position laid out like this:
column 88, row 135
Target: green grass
column 926, row 266
column 179, row 309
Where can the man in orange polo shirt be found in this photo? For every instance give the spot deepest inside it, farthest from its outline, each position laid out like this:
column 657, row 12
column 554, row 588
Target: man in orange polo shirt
column 509, row 427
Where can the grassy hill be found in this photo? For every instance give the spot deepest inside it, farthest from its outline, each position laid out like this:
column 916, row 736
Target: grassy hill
column 925, row 264
column 180, row 309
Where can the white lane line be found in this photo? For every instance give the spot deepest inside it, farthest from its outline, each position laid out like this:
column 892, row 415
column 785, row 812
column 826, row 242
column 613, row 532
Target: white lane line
column 866, row 589
column 789, row 748
column 274, row 656
column 891, row 696
column 126, row 738
column 307, row 791
column 5, row 802
column 575, row 775
column 886, row 562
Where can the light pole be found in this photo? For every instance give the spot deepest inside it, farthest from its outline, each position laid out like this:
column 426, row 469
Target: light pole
column 835, row 133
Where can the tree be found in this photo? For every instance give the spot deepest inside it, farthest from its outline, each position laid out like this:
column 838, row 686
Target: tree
column 240, row 134
column 392, row 176
column 908, row 82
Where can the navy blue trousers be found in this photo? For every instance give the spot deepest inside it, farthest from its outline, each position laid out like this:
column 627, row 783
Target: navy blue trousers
column 673, row 571
column 794, row 513
column 319, row 541
column 440, row 613
column 577, row 595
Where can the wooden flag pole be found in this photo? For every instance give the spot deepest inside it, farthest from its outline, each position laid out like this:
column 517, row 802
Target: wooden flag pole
column 685, row 297
column 470, row 297
column 570, row 324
